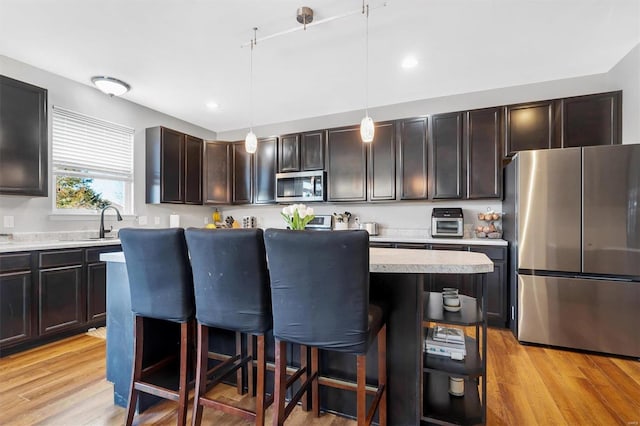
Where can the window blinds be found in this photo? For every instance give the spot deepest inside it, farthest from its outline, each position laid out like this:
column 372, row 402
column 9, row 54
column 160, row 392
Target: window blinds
column 84, row 145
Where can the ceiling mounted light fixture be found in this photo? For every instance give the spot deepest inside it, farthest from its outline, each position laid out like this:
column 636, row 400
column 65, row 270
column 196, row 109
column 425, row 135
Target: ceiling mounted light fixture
column 304, row 15
column 250, row 141
column 111, row 86
column 367, row 128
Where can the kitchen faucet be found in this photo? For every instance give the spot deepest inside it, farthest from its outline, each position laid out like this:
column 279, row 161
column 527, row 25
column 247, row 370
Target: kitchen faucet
column 118, row 217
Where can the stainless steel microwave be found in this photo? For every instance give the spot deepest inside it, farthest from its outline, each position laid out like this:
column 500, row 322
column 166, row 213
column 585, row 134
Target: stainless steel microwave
column 301, row 186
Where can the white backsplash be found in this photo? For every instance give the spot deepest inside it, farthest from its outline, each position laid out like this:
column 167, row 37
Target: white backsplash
column 408, row 217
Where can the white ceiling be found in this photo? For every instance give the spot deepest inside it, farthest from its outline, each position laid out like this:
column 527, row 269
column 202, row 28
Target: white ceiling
column 180, row 54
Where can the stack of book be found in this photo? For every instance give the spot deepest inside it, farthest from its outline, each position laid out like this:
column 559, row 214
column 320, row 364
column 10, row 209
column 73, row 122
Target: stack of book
column 445, row 341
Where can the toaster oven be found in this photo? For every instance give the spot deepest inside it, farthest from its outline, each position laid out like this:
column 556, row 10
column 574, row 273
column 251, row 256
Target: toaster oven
column 447, row 223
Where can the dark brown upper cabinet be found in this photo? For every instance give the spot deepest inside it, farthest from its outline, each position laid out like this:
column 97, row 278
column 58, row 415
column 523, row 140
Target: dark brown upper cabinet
column 264, row 173
column 413, row 153
column 529, row 126
column 217, row 173
column 241, row 172
column 301, row 152
column 23, row 138
column 591, row 120
column 193, row 170
column 173, row 167
column 346, row 165
column 483, row 148
column 312, row 150
column 446, row 156
column 382, row 163
column 289, row 153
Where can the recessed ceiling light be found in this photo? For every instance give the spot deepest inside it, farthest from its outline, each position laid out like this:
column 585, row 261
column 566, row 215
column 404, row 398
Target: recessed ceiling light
column 212, row 105
column 409, row 62
column 111, row 86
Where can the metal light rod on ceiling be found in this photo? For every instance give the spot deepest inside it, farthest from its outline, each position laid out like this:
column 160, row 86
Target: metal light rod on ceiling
column 312, row 24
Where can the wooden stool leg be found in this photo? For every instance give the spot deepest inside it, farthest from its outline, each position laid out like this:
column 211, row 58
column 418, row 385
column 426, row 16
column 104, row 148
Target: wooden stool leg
column 382, row 374
column 136, row 373
column 361, row 395
column 251, row 352
column 315, row 388
column 240, row 372
column 303, row 364
column 280, row 387
column 201, row 373
column 183, row 391
column 262, row 367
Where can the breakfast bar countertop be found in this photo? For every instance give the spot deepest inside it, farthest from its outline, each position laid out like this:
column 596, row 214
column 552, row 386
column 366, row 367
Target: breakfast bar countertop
column 386, row 260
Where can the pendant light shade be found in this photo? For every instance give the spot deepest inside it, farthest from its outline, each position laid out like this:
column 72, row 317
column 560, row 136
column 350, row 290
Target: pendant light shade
column 367, row 129
column 251, row 142
column 366, row 125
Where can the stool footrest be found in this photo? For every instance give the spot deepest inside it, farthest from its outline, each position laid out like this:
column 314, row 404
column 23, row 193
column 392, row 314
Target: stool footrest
column 158, row 365
column 344, row 384
column 303, row 388
column 226, row 408
column 156, row 390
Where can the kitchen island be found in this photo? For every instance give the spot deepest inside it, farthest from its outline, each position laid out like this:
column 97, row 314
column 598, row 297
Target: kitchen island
column 397, row 278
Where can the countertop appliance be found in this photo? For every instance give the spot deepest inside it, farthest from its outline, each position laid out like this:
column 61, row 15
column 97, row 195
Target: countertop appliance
column 321, row 222
column 300, row 187
column 573, row 223
column 447, row 222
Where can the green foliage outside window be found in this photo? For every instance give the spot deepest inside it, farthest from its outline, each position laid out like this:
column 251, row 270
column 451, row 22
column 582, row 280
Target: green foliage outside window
column 76, row 193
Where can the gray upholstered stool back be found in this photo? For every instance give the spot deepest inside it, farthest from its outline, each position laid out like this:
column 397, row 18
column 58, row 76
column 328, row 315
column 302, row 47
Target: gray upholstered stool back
column 159, row 273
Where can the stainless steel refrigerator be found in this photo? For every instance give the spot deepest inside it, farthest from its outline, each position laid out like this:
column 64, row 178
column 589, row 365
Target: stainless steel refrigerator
column 573, row 221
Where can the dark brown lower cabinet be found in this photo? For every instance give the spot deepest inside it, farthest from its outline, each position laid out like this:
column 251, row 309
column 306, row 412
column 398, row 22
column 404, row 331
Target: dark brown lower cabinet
column 96, row 291
column 497, row 285
column 59, row 299
column 48, row 295
column 15, row 316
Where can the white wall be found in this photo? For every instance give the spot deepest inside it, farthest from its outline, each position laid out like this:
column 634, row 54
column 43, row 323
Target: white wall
column 625, row 75
column 508, row 95
column 32, row 214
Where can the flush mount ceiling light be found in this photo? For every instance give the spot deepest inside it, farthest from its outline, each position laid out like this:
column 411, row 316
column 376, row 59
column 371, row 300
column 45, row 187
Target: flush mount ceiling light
column 111, row 86
column 212, row 105
column 409, row 62
column 367, row 128
column 250, row 141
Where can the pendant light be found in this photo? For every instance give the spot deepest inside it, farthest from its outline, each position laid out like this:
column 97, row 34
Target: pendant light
column 366, row 125
column 250, row 141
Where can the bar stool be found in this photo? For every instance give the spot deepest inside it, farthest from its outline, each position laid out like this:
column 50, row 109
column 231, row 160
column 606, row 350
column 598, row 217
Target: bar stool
column 161, row 288
column 320, row 298
column 231, row 284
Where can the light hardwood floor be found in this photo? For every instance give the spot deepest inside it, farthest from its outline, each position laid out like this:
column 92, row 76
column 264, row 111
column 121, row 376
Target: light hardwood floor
column 63, row 384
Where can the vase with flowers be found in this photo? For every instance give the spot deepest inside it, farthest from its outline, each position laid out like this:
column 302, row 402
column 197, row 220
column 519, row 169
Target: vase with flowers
column 297, row 216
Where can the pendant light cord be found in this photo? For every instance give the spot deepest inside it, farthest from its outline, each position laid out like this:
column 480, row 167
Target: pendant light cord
column 365, row 10
column 253, row 43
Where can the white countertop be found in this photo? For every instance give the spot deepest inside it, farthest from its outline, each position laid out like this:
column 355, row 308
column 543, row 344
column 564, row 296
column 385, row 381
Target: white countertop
column 389, row 238
column 392, row 260
column 16, row 246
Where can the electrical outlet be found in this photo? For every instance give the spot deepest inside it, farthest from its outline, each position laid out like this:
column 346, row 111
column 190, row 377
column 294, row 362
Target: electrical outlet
column 142, row 220
column 206, row 220
column 8, row 221
column 156, row 220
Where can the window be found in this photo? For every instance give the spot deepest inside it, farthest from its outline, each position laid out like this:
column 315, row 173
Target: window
column 92, row 163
